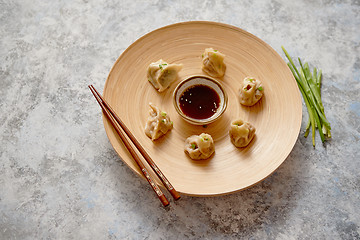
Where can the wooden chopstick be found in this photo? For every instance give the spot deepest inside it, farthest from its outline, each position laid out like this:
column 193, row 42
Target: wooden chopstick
column 109, row 112
column 137, row 159
column 152, row 164
column 149, row 160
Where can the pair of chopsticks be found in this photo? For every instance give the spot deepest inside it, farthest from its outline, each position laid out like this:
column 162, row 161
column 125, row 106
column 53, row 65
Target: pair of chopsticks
column 116, row 122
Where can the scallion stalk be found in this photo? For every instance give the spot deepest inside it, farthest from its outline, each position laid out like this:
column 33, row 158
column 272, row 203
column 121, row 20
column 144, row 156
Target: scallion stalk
column 309, row 84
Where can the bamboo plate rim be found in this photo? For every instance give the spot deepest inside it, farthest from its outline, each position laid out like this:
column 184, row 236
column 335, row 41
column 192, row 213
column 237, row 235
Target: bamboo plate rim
column 276, row 117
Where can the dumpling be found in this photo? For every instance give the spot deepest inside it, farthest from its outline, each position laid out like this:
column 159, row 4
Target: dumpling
column 161, row 74
column 158, row 123
column 251, row 91
column 241, row 133
column 213, row 63
column 199, row 146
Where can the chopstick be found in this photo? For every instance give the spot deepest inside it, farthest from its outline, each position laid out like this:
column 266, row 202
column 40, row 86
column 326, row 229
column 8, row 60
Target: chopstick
column 116, row 121
column 137, row 159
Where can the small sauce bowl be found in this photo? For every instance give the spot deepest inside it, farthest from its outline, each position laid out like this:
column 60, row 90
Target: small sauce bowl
column 200, row 100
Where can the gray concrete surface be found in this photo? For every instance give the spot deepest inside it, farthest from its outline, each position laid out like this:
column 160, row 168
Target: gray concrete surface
column 61, row 179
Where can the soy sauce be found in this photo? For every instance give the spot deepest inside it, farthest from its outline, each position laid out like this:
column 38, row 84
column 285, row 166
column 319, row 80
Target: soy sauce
column 199, row 102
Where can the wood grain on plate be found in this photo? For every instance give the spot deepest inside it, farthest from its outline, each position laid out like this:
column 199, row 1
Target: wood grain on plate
column 277, row 116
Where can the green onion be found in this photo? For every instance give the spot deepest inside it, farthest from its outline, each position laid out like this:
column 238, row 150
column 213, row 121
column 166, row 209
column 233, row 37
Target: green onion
column 163, row 114
column 193, row 146
column 215, row 50
column 260, row 88
column 309, row 85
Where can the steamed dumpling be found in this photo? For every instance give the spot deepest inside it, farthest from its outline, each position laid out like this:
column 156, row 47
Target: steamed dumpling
column 199, row 146
column 158, row 123
column 161, row 74
column 251, row 91
column 213, row 62
column 241, row 133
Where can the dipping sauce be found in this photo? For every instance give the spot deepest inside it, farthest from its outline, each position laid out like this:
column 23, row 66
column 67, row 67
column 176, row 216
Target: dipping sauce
column 199, row 102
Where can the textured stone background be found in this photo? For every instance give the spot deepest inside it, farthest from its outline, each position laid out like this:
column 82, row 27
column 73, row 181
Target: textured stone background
column 60, row 177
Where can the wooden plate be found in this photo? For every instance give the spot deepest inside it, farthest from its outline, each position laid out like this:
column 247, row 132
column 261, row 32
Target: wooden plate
column 276, row 117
